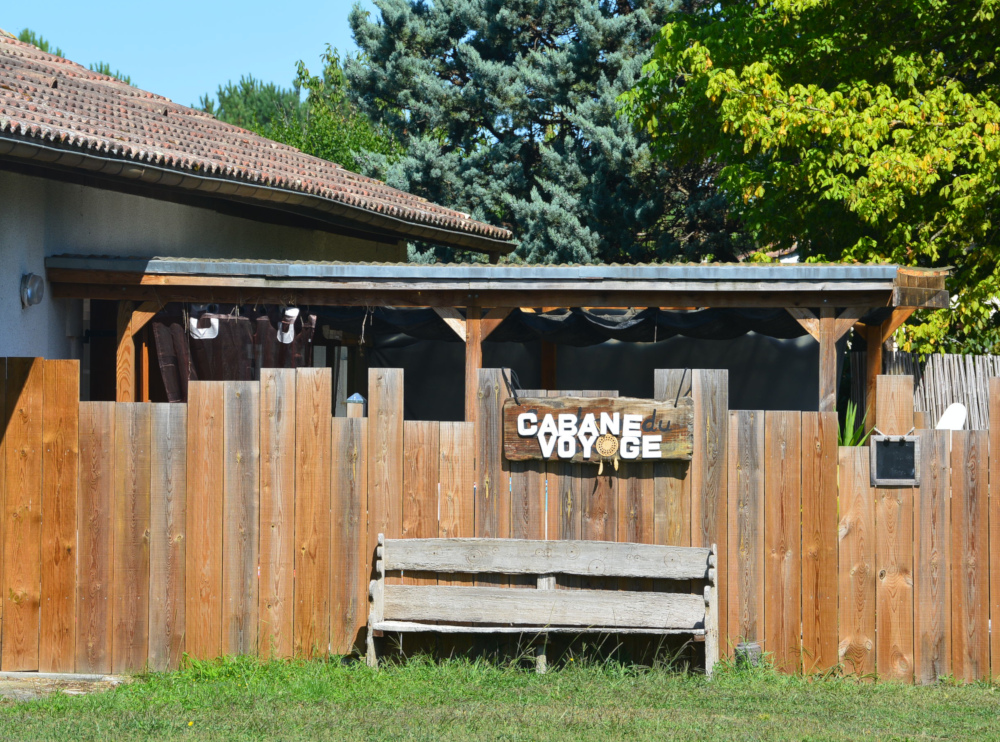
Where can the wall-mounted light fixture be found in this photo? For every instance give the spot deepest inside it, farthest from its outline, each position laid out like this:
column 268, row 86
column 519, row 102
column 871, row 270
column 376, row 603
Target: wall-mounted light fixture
column 32, row 289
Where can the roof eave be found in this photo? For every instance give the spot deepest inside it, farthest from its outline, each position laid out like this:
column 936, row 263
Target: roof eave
column 15, row 146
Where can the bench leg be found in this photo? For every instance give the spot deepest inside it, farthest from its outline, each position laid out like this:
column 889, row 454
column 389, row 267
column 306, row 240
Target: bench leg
column 541, row 660
column 371, row 656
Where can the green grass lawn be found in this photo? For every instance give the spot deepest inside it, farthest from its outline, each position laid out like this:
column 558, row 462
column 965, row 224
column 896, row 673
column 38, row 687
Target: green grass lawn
column 461, row 700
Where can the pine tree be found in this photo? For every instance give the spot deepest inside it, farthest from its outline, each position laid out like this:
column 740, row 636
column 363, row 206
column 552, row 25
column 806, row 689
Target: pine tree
column 252, row 102
column 507, row 109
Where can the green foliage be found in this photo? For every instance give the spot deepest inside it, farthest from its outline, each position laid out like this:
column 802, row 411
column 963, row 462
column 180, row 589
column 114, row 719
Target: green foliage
column 506, row 109
column 251, row 102
column 30, row 37
column 105, row 69
column 326, row 123
column 853, row 131
column 853, row 431
column 246, row 699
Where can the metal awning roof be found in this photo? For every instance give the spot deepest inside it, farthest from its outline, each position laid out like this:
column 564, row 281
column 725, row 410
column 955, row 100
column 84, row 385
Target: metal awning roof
column 407, row 284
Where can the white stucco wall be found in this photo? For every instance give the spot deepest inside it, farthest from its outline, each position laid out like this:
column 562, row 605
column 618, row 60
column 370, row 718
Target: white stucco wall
column 41, row 217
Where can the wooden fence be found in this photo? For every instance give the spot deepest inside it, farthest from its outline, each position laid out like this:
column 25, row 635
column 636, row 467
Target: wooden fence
column 244, row 522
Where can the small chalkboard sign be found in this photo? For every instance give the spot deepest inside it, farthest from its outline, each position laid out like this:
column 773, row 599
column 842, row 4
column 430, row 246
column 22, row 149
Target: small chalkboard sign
column 895, row 460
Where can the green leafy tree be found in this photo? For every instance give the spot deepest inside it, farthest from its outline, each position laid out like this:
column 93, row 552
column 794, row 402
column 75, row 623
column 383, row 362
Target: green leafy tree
column 326, row 123
column 506, row 109
column 854, row 131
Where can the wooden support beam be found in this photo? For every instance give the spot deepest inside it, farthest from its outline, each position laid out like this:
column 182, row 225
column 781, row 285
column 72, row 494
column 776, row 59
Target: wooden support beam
column 844, row 321
column 873, row 338
column 895, row 321
column 501, row 295
column 145, row 363
column 453, row 318
column 808, row 320
column 131, row 319
column 848, row 318
column 827, row 360
column 827, row 329
column 493, row 319
column 473, row 359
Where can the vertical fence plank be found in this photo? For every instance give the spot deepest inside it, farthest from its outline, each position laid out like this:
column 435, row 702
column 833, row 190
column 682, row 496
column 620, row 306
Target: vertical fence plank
column 599, row 506
column 22, row 514
column 241, row 517
column 894, row 583
column 746, row 526
column 636, row 500
column 277, row 508
column 60, row 439
column 492, row 469
column 203, row 529
column 168, row 513
column 599, row 498
column 493, row 488
column 894, row 542
column 969, row 555
column 130, row 646
column 819, row 541
column 527, row 495
column 857, row 559
column 672, row 480
column 457, row 472
column 95, row 518
column 994, row 516
column 313, row 429
column 782, row 588
column 422, row 443
column 349, row 590
column 709, row 470
column 565, row 493
column 528, row 516
column 931, row 593
column 385, row 456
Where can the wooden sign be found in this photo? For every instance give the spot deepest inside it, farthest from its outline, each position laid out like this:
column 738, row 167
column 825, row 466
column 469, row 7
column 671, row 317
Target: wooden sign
column 597, row 429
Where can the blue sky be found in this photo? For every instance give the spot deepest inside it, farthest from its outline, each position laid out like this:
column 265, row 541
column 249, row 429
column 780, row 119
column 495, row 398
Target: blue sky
column 183, row 48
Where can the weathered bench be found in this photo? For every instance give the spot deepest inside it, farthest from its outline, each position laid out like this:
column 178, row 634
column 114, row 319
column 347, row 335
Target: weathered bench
column 545, row 610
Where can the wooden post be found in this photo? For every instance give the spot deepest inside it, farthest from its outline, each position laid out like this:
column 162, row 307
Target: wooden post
column 125, row 362
column 894, row 543
column 545, row 582
column 473, row 359
column 873, row 338
column 355, row 407
column 827, row 360
column 131, row 319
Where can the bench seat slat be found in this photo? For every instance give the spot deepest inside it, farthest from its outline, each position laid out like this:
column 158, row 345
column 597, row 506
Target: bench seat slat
column 520, row 556
column 406, row 626
column 577, row 608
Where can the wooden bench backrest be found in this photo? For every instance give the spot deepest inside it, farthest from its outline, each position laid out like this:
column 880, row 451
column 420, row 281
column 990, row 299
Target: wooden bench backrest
column 518, row 556
column 456, row 608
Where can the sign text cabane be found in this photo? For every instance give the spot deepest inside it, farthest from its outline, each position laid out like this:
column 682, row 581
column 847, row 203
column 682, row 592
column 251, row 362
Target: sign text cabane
column 597, row 428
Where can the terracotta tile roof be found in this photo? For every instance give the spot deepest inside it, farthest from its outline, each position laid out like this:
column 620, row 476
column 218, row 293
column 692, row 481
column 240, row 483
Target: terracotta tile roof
column 58, row 104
